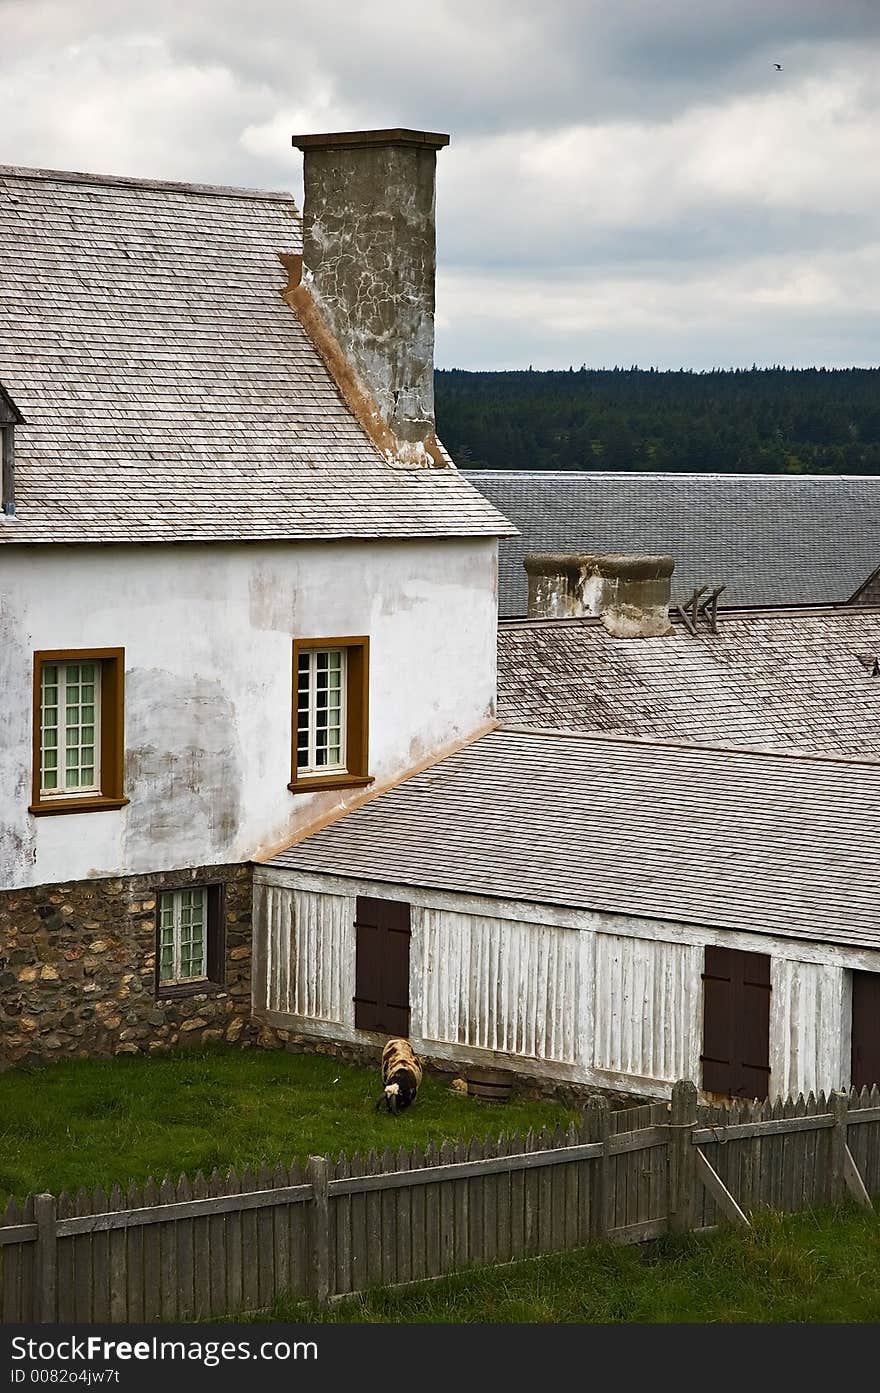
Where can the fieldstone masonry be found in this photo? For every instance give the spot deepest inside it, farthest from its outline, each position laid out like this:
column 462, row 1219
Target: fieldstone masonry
column 77, row 970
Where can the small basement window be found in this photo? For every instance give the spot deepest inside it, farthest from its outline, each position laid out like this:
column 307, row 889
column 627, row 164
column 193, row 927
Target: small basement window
column 330, row 713
column 189, row 938
column 78, row 731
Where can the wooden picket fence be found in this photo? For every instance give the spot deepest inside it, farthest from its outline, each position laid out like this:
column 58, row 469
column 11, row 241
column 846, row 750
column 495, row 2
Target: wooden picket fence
column 232, row 1244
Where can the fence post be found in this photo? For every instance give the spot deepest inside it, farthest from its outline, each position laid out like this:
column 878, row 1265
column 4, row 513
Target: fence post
column 601, row 1194
column 318, row 1175
column 839, row 1106
column 680, row 1157
column 46, row 1266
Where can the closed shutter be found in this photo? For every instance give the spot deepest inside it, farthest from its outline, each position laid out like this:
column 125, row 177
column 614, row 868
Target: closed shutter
column 865, row 1029
column 216, row 935
column 382, row 934
column 736, row 1023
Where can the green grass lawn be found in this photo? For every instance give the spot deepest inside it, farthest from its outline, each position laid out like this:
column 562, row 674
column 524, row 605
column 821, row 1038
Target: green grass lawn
column 790, row 1268
column 102, row 1122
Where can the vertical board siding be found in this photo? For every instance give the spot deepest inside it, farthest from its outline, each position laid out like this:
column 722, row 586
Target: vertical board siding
column 309, row 949
column 497, row 984
column 646, row 1007
column 807, row 1029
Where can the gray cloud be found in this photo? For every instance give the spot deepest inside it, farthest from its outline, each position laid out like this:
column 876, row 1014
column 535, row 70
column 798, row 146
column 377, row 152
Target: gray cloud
column 628, row 181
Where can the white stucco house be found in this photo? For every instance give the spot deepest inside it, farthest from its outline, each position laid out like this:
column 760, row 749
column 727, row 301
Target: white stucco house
column 240, row 581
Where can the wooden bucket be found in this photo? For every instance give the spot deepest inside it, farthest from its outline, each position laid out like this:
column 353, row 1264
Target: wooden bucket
column 489, row 1084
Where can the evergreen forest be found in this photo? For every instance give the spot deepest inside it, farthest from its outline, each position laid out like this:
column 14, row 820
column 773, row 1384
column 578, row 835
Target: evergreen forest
column 756, row 421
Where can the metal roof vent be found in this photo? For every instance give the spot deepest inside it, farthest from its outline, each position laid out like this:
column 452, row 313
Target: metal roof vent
column 699, row 608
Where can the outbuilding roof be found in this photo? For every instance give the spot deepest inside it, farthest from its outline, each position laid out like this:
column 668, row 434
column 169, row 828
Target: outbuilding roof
column 169, row 394
column 770, row 539
column 736, row 839
column 798, row 680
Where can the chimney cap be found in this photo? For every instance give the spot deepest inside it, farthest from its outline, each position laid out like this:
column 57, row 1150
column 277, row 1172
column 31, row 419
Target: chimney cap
column 393, row 136
column 631, row 566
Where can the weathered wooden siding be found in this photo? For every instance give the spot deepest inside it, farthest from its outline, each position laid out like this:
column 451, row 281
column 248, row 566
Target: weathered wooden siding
column 309, row 954
column 646, row 1007
column 809, row 1028
column 612, row 1008
column 499, row 985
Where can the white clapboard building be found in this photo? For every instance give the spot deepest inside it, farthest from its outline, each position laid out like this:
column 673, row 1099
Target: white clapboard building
column 604, row 910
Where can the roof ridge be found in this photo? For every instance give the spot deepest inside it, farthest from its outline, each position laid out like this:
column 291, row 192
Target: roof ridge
column 652, row 476
column 69, row 176
column 844, row 609
column 762, row 751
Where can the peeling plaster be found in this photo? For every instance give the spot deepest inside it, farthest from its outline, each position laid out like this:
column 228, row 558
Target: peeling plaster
column 186, row 781
column 207, row 633
column 369, row 258
column 17, row 831
column 272, row 600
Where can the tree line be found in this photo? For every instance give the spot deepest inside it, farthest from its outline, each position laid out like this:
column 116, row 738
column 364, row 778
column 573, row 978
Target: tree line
column 753, row 421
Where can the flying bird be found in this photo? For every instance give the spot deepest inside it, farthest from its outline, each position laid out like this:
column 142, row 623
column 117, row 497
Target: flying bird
column 778, row 67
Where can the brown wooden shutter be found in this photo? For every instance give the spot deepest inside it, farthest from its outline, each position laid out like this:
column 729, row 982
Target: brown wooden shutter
column 216, row 926
column 736, row 1022
column 382, row 935
column 865, row 1028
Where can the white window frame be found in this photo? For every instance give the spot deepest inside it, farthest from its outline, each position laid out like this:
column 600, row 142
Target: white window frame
column 312, row 769
column 62, row 790
column 176, row 897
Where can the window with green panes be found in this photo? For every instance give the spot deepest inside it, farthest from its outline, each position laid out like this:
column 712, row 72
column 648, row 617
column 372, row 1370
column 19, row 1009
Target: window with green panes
column 70, row 723
column 183, row 935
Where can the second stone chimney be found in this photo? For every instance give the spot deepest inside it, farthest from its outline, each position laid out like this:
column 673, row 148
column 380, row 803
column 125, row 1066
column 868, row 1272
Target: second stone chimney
column 368, row 265
column 630, row 594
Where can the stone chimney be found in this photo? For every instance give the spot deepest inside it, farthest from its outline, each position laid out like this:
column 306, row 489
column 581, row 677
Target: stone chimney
column 368, row 266
column 630, row 594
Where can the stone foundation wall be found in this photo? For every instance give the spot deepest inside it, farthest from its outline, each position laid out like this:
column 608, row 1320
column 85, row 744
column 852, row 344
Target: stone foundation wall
column 77, row 970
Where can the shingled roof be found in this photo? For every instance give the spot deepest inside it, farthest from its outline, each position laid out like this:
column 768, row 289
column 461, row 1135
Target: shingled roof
column 797, row 680
column 168, row 392
column 773, row 843
column 771, row 539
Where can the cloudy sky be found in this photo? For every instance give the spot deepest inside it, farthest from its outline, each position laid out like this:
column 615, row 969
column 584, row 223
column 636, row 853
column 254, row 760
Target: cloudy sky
column 629, row 181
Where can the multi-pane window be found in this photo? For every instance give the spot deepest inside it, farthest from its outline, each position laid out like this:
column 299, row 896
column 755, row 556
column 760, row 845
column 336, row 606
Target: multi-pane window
column 331, row 689
column 321, row 710
column 183, row 935
column 79, row 730
column 70, row 695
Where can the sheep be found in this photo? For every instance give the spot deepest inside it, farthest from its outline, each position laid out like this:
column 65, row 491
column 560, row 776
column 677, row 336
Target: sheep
column 401, row 1075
